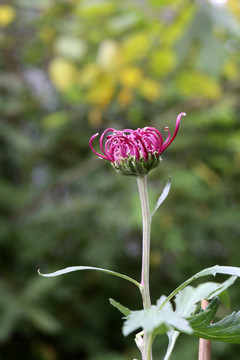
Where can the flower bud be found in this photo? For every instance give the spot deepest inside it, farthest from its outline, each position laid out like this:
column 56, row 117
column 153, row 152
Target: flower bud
column 134, row 152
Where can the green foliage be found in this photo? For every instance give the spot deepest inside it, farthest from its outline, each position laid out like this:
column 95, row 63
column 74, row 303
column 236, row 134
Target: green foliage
column 187, row 300
column 155, row 321
column 69, row 69
column 227, row 329
column 125, row 311
column 163, row 319
column 79, row 268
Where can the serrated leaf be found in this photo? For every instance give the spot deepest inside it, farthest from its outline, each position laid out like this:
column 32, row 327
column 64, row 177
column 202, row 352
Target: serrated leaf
column 227, row 329
column 77, row 268
column 124, row 310
column 163, row 196
column 186, row 301
column 155, row 321
column 227, row 270
column 206, row 316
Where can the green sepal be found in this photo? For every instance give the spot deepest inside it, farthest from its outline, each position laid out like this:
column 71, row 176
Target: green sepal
column 134, row 167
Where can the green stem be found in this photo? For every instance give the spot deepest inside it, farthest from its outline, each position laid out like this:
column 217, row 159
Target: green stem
column 146, row 218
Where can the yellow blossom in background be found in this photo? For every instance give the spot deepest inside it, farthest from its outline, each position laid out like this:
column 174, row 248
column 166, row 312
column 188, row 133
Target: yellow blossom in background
column 70, row 47
column 162, row 62
column 89, row 74
column 108, row 54
column 7, row 15
column 63, row 73
column 95, row 116
column 130, row 77
column 47, row 34
column 150, row 89
column 102, row 93
column 91, row 9
column 136, row 46
column 234, row 6
column 125, row 97
column 230, row 70
column 196, row 84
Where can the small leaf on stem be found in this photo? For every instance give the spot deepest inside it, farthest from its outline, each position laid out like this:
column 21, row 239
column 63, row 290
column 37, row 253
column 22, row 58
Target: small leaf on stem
column 77, row 268
column 124, row 310
column 163, row 196
column 155, row 321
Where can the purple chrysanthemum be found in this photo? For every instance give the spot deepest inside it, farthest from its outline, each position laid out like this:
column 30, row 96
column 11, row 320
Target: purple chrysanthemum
column 134, row 152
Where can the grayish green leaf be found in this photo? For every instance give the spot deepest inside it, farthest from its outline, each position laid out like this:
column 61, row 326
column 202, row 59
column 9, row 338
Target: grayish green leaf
column 156, row 321
column 77, row 268
column 168, row 305
column 227, row 270
column 163, row 196
column 227, row 329
column 124, row 310
column 186, row 303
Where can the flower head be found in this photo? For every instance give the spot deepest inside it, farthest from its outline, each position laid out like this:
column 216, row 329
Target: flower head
column 134, row 152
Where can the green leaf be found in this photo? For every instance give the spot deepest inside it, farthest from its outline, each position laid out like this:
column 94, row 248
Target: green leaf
column 163, row 196
column 168, row 306
column 205, row 316
column 186, row 302
column 227, row 270
column 227, row 329
column 77, row 268
column 187, row 299
column 155, row 321
column 124, row 310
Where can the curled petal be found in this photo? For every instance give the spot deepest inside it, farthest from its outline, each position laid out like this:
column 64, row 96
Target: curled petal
column 168, row 141
column 102, row 139
column 168, row 137
column 152, row 129
column 95, row 152
column 155, row 138
column 134, row 152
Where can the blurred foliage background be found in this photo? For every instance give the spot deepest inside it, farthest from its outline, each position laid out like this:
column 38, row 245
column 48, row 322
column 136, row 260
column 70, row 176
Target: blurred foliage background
column 69, row 69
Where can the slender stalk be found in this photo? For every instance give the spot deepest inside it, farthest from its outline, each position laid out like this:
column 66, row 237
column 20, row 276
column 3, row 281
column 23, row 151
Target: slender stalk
column 204, row 350
column 146, row 217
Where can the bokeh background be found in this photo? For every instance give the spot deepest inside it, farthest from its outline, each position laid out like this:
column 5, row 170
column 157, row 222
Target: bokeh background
column 69, row 69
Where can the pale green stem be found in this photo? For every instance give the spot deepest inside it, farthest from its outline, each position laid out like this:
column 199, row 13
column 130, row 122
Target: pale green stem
column 146, row 218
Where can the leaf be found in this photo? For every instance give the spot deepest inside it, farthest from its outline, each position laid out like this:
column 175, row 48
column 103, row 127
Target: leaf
column 77, row 268
column 168, row 306
column 163, row 196
column 205, row 316
column 227, row 270
column 227, row 329
column 186, row 301
column 124, row 310
column 156, row 321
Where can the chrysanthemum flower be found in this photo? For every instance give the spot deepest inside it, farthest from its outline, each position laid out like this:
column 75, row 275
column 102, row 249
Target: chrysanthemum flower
column 134, row 152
